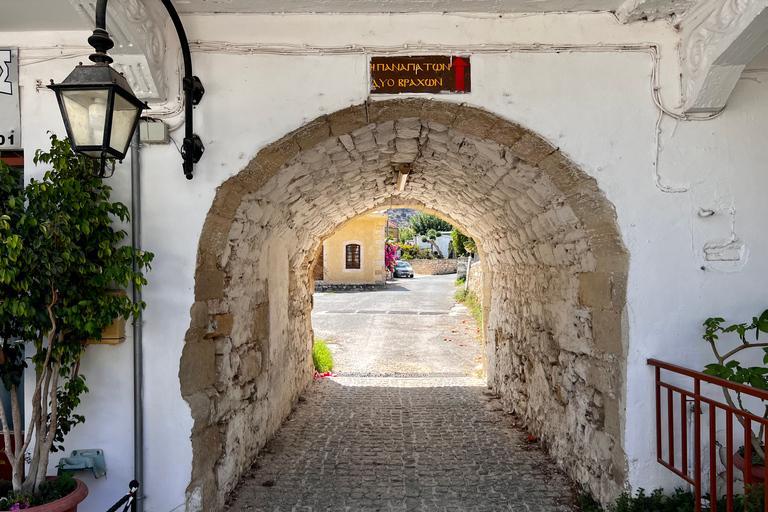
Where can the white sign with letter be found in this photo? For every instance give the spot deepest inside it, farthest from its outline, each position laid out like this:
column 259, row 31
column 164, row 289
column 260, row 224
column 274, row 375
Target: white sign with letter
column 10, row 115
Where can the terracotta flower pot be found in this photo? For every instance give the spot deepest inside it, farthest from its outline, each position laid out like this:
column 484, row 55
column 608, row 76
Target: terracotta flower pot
column 68, row 503
column 758, row 472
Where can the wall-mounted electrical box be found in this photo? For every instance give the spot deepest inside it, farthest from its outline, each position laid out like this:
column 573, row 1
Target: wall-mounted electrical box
column 153, row 132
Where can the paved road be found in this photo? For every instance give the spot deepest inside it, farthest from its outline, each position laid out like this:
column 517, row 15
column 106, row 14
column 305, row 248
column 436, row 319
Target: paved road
column 435, row 443
column 414, row 327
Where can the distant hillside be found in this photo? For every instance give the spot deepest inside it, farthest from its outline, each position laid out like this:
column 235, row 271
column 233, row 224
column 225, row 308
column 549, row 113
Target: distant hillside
column 400, row 216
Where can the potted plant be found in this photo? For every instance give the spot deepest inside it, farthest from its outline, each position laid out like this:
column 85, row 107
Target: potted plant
column 59, row 259
column 732, row 369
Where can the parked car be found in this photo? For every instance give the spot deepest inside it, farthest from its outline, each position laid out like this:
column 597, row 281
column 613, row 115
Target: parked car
column 403, row 269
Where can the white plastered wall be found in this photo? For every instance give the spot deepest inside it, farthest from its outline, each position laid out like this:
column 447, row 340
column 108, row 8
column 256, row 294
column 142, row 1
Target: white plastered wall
column 595, row 106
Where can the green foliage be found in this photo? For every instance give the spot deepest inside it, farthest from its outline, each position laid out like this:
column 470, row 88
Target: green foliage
column 679, row 501
column 404, row 234
column 757, row 459
column 753, row 500
column 657, row 501
column 410, row 252
column 60, row 255
column 48, row 492
column 422, row 222
column 69, row 398
column 472, row 302
column 459, row 241
column 731, row 369
column 56, row 489
column 322, row 356
column 460, row 281
column 586, row 503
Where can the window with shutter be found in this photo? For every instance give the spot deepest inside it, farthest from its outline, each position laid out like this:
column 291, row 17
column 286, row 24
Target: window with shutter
column 353, row 256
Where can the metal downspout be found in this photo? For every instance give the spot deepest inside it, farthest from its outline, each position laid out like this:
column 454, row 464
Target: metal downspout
column 138, row 363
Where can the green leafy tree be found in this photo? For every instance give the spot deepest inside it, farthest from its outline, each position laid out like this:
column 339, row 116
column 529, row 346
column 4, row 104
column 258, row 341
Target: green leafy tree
column 731, row 369
column 430, row 237
column 422, row 222
column 458, row 240
column 405, row 234
column 60, row 256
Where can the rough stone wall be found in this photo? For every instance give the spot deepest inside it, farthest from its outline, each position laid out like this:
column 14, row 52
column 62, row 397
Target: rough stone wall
column 317, row 266
column 433, row 267
column 555, row 268
column 476, row 283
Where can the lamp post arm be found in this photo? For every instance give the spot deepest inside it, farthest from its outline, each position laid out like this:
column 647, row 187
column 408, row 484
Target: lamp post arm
column 192, row 148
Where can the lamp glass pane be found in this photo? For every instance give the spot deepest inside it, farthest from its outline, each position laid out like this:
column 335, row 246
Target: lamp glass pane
column 123, row 124
column 86, row 111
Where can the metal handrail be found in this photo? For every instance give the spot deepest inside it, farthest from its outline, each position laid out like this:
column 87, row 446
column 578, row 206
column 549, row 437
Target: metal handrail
column 711, row 379
column 695, row 396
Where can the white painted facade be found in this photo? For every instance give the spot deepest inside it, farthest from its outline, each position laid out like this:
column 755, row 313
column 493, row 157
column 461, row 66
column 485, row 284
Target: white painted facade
column 593, row 100
column 443, row 242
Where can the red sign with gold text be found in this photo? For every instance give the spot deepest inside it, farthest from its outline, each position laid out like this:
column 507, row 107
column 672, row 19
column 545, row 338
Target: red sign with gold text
column 433, row 74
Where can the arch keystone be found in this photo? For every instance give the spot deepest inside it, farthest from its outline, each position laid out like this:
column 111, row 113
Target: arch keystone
column 439, row 112
column 381, row 111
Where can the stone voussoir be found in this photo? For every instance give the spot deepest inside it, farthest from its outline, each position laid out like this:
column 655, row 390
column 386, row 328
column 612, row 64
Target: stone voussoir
column 474, row 121
column 532, row 149
column 439, row 112
column 506, row 133
column 348, row 120
column 382, row 111
column 197, row 370
column 273, row 156
column 209, row 284
column 313, row 133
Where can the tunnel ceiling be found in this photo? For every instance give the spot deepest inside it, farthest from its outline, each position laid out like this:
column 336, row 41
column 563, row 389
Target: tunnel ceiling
column 512, row 208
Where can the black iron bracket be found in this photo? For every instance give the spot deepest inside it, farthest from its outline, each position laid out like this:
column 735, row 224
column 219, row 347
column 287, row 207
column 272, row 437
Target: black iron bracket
column 192, row 147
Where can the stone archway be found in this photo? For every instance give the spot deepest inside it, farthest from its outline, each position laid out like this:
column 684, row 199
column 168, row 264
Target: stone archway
column 556, row 342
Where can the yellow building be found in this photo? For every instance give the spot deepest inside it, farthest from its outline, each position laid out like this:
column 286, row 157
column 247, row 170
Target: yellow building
column 354, row 254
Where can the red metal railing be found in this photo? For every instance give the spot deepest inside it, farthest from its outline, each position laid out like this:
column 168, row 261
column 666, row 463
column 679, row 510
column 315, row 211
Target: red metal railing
column 686, row 396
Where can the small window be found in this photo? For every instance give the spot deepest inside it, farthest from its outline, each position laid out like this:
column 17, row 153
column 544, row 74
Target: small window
column 353, row 256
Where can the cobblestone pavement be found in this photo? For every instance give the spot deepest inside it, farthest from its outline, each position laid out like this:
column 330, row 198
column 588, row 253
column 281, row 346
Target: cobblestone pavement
column 407, row 426
column 401, row 444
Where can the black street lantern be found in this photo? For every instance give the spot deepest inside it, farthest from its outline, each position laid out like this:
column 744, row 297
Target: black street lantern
column 100, row 110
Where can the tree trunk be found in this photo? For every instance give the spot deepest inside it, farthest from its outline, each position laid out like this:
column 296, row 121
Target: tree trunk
column 439, row 252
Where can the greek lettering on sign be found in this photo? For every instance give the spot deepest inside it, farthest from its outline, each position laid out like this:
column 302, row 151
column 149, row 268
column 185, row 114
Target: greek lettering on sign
column 435, row 74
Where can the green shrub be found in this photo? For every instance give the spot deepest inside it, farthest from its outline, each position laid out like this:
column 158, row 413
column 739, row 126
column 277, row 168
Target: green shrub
column 472, row 302
column 322, row 356
column 460, row 281
column 410, row 252
column 679, row 501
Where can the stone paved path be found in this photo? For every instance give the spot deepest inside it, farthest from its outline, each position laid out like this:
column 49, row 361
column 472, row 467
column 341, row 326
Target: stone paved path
column 384, row 437
column 401, row 444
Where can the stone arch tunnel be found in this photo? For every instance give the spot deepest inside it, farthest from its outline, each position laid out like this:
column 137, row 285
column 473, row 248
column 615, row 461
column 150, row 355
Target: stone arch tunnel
column 555, row 279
